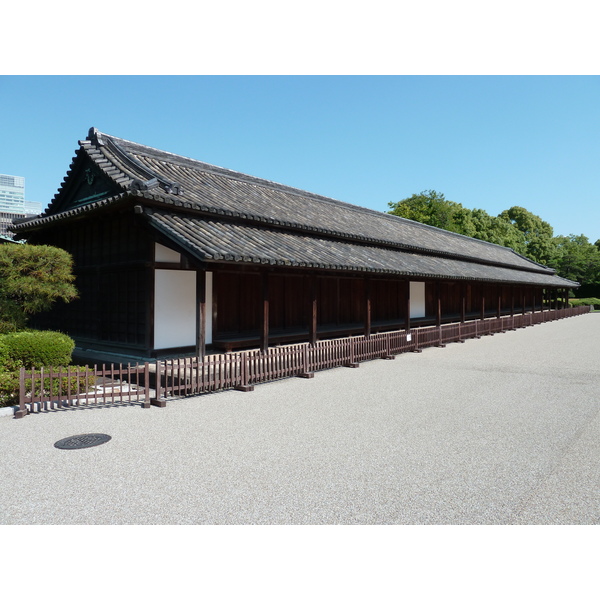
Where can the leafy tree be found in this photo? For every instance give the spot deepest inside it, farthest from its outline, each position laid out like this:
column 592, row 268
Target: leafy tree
column 497, row 231
column 431, row 208
column 32, row 279
column 537, row 233
column 577, row 259
column 573, row 256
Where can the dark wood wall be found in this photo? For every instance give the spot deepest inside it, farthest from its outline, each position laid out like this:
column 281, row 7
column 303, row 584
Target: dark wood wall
column 341, row 301
column 113, row 268
column 113, row 256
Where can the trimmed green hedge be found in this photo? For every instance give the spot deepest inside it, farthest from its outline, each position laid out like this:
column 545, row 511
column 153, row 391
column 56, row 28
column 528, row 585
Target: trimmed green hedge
column 595, row 302
column 35, row 349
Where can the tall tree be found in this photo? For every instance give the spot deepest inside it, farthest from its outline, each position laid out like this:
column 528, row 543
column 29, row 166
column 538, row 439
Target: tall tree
column 573, row 256
column 431, row 208
column 497, row 231
column 537, row 233
column 577, row 259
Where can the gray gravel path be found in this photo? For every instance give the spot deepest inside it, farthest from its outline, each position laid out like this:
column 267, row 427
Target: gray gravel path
column 501, row 430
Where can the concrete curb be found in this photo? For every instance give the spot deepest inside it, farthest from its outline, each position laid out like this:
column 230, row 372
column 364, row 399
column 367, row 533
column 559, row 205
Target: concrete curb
column 8, row 411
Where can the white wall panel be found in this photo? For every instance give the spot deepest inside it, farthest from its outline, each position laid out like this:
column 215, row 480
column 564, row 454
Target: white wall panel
column 174, row 308
column 417, row 299
column 162, row 254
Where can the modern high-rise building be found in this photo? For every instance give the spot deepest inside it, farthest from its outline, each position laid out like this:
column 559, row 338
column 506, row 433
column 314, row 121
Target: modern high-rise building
column 13, row 204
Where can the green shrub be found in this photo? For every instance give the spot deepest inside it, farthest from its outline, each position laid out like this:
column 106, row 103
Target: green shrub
column 36, row 349
column 4, row 355
column 7, row 326
column 9, row 385
column 595, row 302
column 9, row 388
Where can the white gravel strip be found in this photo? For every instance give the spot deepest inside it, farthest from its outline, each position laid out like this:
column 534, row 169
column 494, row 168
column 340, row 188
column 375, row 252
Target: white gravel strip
column 501, row 430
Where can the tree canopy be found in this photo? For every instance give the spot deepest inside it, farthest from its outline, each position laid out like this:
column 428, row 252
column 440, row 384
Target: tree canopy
column 573, row 256
column 32, row 279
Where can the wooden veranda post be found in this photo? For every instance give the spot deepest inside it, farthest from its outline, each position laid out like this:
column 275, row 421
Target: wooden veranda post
column 201, row 320
column 499, row 306
column 264, row 330
column 512, row 300
column 312, row 313
column 407, row 306
column 438, row 304
column 367, row 329
column 482, row 303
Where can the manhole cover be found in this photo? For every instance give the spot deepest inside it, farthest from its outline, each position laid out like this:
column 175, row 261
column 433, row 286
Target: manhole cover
column 87, row 440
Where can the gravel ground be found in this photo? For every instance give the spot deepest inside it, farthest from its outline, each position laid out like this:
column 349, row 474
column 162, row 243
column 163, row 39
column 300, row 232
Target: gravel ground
column 501, row 430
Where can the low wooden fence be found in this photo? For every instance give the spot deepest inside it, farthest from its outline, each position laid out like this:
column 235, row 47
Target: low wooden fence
column 55, row 389
column 152, row 383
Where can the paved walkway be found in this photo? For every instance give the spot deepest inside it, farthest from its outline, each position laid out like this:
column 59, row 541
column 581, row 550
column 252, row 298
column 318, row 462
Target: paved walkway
column 502, row 430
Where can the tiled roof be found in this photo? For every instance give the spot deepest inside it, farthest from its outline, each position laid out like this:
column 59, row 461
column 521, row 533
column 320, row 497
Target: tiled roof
column 217, row 240
column 206, row 197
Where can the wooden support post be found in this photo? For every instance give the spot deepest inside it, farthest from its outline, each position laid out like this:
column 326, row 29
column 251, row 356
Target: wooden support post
column 387, row 355
column 512, row 300
column 19, row 414
column 499, row 306
column 463, row 310
column 264, row 329
column 438, row 313
column 306, row 373
column 438, row 305
column 352, row 364
column 244, row 386
column 416, row 347
column 482, row 304
column 201, row 316
column 146, row 403
column 407, row 307
column 512, row 307
column 157, row 400
column 367, row 328
column 312, row 313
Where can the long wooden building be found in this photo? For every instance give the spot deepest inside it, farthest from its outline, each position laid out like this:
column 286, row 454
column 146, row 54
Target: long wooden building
column 173, row 255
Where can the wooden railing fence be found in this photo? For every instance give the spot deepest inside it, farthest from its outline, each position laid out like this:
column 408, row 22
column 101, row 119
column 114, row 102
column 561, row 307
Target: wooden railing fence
column 152, row 383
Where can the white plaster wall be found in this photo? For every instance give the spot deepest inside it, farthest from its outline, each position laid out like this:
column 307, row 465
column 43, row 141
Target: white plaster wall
column 174, row 308
column 162, row 254
column 417, row 299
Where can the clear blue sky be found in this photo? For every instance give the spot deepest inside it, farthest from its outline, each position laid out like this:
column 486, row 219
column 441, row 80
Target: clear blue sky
column 488, row 142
